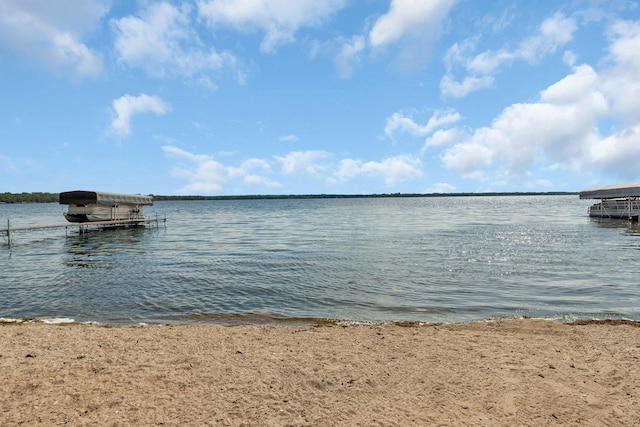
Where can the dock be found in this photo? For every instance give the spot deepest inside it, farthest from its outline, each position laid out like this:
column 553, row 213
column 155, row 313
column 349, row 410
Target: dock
column 621, row 201
column 82, row 227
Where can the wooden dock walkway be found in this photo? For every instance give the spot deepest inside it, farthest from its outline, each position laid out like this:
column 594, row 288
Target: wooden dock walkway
column 82, row 226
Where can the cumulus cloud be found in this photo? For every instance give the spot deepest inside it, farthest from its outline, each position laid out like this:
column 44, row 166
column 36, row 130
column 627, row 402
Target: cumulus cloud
column 415, row 19
column 415, row 24
column 619, row 153
column 399, row 123
column 560, row 128
column 450, row 87
column 393, row 170
column 52, row 34
column 564, row 127
column 162, row 42
column 205, row 175
column 278, row 19
column 248, row 166
column 620, row 81
column 128, row 106
column 443, row 137
column 554, row 33
column 311, row 162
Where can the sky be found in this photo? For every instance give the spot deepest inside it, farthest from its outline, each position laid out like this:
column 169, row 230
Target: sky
column 245, row 97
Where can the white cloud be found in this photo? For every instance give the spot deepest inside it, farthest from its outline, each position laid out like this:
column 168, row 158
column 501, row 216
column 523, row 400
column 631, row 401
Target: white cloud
column 349, row 168
column 489, row 62
column 450, row 87
column 253, row 164
column 416, row 19
column 348, row 57
column 559, row 128
column 259, row 180
column 570, row 58
column 619, row 154
column 554, row 33
column 174, row 151
column 621, row 82
column 162, row 42
column 412, row 24
column 205, row 175
column 279, row 19
column 128, row 106
column 394, row 169
column 400, row 123
column 441, row 187
column 469, row 159
column 443, row 137
column 311, row 162
column 247, row 167
column 51, row 33
column 289, row 138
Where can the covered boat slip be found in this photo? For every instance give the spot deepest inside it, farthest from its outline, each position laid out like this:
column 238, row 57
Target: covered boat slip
column 616, row 201
column 94, row 209
column 103, row 198
column 92, row 206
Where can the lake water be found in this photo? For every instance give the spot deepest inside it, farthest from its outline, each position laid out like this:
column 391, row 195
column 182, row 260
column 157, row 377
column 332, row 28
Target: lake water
column 440, row 259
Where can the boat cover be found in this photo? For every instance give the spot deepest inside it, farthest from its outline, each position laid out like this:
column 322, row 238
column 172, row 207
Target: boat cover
column 612, row 191
column 103, row 198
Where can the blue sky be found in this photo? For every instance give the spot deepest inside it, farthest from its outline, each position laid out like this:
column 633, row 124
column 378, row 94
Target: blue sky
column 223, row 97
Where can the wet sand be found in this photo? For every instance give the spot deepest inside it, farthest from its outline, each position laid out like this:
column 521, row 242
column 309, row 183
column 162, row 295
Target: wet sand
column 507, row 372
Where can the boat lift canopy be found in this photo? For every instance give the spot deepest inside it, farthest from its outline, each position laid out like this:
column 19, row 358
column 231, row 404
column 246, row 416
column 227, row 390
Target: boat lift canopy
column 103, row 198
column 620, row 191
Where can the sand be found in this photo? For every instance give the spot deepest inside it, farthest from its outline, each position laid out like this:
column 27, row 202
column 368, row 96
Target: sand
column 504, row 373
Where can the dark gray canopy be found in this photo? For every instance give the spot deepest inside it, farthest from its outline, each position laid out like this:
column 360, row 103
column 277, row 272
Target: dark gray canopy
column 103, row 198
column 619, row 191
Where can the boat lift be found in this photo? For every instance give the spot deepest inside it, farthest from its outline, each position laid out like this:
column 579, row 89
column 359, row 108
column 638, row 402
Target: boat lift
column 84, row 227
column 616, row 201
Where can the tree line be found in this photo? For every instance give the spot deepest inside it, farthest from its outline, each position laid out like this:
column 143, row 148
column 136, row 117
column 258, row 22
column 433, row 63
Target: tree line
column 29, row 197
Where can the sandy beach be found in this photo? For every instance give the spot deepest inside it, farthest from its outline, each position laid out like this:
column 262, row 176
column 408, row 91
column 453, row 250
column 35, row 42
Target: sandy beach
column 507, row 372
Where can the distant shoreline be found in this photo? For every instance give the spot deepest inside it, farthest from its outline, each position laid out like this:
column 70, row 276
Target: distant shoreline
column 54, row 197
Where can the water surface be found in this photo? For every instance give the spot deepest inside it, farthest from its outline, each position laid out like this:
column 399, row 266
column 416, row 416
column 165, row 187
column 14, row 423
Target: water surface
column 429, row 259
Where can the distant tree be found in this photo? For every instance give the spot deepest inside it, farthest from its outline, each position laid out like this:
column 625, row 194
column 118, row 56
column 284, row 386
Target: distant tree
column 37, row 197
